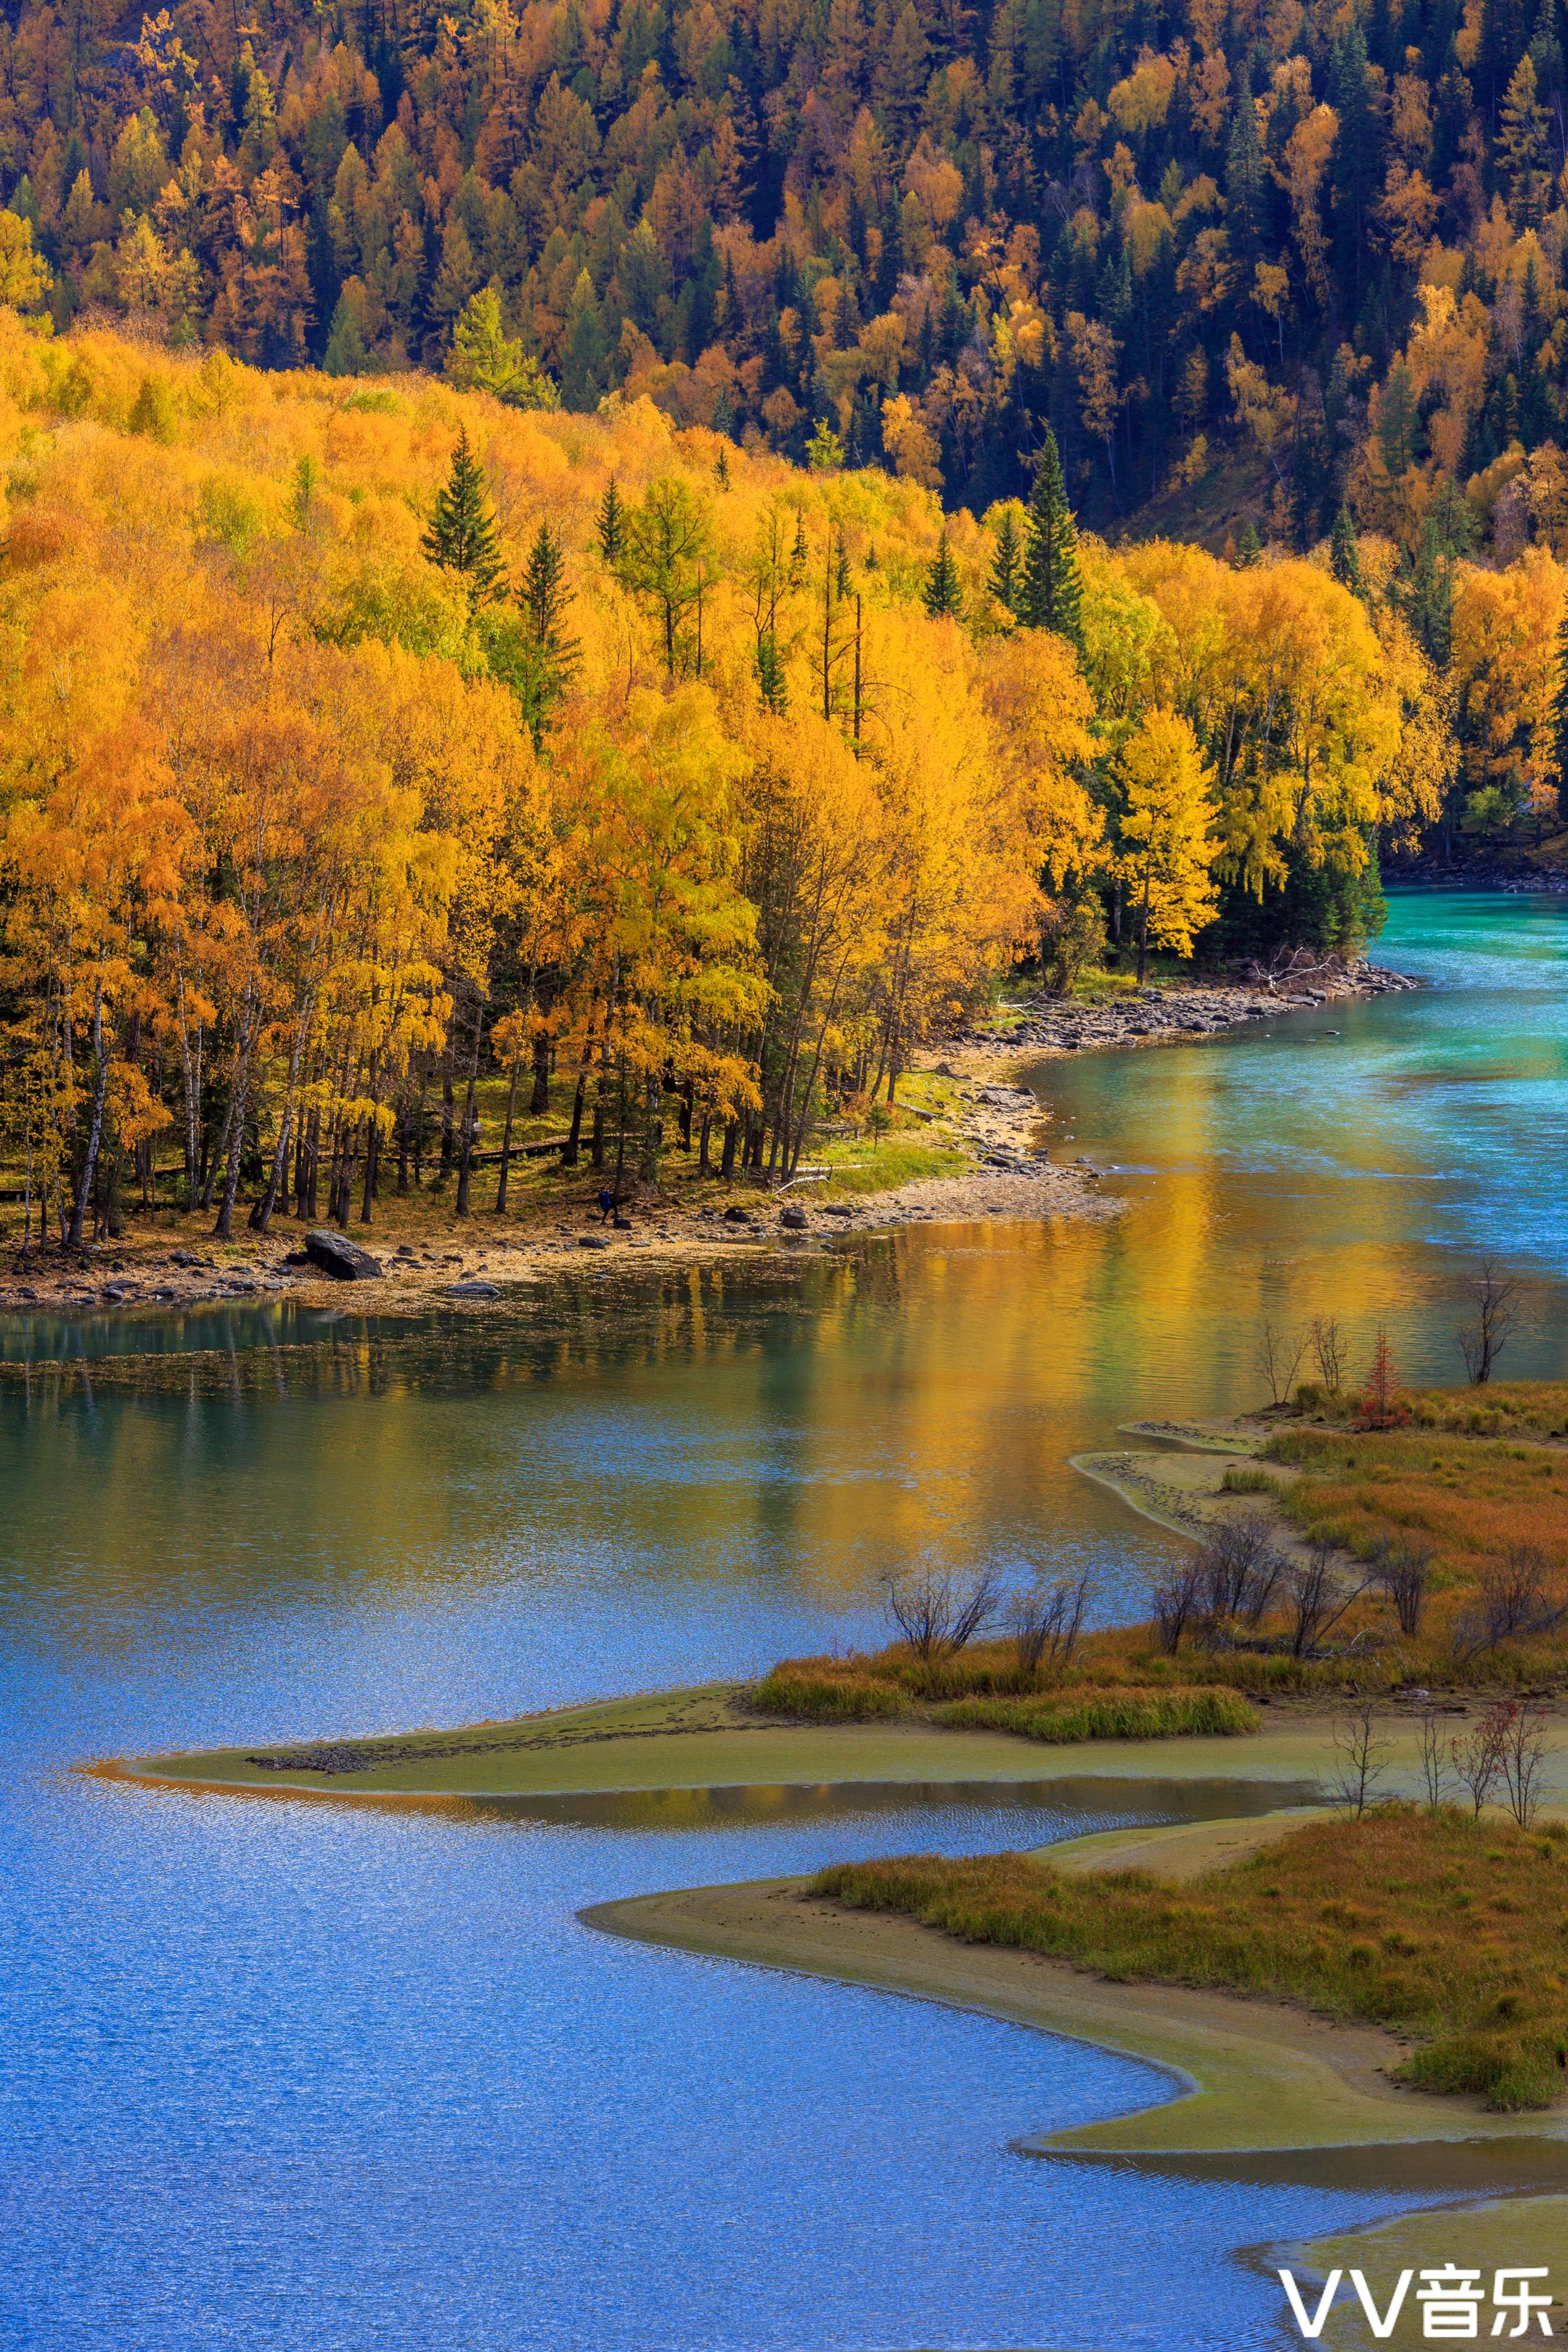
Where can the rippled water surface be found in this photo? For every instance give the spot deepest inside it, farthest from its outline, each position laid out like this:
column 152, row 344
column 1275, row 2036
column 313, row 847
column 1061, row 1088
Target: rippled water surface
column 319, row 2077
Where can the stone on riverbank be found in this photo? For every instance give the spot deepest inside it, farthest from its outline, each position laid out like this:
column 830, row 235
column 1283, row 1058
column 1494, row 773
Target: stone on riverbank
column 334, row 1254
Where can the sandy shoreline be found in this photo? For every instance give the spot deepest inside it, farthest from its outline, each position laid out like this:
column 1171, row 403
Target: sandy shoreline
column 1249, row 2076
column 995, row 1122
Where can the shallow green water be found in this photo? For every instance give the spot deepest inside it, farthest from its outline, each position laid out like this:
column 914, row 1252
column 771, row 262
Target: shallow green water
column 283, row 2074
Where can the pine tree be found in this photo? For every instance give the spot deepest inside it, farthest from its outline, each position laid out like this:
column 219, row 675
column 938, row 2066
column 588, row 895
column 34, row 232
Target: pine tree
column 1344, row 556
column 1004, row 573
column 1245, row 177
column 1398, row 421
column 1429, row 595
column 1051, row 592
column 771, row 683
column 798, row 553
column 942, row 590
column 462, row 535
column 551, row 657
column 612, row 524
column 1250, row 551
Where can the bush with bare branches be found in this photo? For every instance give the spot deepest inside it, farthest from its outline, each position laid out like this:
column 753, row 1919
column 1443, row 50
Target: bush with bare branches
column 1240, row 1567
column 1477, row 1754
column 1176, row 1603
column 1433, row 1757
column 1518, row 1596
column 1402, row 1572
column 1360, row 1757
column 937, row 1614
column 1482, row 1340
column 1278, row 1359
column 1328, row 1343
column 1524, row 1761
column 1047, row 1621
column 1317, row 1598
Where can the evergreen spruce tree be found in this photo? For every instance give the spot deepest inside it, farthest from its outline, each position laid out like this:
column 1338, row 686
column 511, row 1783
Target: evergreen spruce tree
column 1051, row 591
column 551, row 657
column 1250, row 551
column 1344, row 556
column 1429, row 595
column 771, row 675
column 612, row 524
column 1004, row 565
column 1245, row 177
column 942, row 590
column 463, row 534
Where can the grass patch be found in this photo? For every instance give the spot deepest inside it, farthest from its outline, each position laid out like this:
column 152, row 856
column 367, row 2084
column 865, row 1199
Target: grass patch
column 1453, row 1931
column 1248, row 1482
column 820, row 1698
column 1469, row 1497
column 1110, row 1715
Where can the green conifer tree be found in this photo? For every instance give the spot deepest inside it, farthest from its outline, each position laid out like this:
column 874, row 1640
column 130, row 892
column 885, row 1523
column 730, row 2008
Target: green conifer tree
column 551, row 657
column 942, row 590
column 1051, row 592
column 612, row 524
column 1250, row 551
column 1005, row 563
column 771, row 683
column 462, row 535
column 1344, row 556
column 1429, row 595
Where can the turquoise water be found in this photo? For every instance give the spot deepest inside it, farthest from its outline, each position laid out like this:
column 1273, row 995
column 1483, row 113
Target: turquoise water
column 299, row 2075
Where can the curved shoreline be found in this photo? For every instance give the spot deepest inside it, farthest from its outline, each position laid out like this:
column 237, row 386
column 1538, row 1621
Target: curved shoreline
column 701, row 1739
column 1257, row 2079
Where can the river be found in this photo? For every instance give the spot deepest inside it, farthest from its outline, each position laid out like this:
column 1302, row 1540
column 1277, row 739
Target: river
column 300, row 2076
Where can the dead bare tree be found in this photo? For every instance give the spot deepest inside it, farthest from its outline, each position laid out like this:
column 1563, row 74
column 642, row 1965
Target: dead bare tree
column 1329, row 1351
column 1517, row 1596
column 1523, row 1761
column 1317, row 1598
column 1240, row 1567
column 1177, row 1602
column 1482, row 1340
column 1433, row 1757
column 1361, row 1756
column 1278, row 1359
column 1401, row 1572
column 1047, row 1621
column 938, row 1613
column 1513, row 1590
column 1477, row 1756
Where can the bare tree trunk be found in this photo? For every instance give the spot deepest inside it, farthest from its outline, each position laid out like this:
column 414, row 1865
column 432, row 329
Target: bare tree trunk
column 506, row 1133
column 95, row 1129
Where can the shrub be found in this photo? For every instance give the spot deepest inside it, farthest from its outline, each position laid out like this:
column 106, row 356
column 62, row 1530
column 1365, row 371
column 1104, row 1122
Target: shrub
column 1110, row 1715
column 828, row 1696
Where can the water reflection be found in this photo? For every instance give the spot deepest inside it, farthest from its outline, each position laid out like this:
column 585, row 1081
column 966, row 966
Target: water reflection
column 284, row 2073
column 1022, row 1814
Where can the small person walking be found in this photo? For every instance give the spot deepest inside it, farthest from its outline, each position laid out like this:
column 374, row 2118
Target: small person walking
column 606, row 1202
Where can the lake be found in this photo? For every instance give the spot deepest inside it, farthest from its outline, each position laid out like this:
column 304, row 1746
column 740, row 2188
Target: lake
column 293, row 2075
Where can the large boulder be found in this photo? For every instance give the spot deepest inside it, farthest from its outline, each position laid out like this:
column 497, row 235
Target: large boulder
column 334, row 1254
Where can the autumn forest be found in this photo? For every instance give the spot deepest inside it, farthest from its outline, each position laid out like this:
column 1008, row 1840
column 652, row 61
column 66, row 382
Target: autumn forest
column 643, row 557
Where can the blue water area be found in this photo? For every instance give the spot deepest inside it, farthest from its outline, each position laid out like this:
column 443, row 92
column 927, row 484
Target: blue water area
column 304, row 2074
